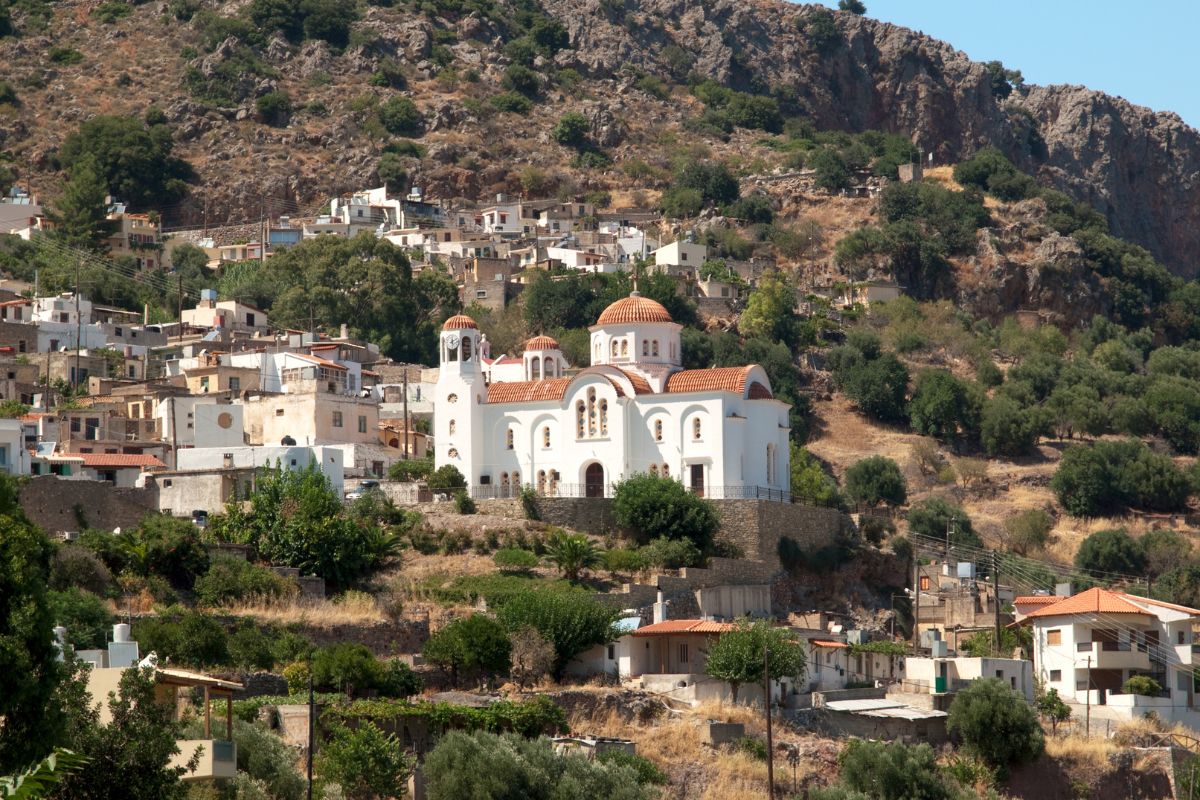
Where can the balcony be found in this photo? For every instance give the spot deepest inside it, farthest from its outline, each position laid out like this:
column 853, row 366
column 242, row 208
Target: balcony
column 1112, row 655
column 218, row 758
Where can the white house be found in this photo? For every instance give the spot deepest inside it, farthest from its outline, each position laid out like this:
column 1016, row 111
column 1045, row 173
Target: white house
column 14, row 458
column 1086, row 647
column 949, row 674
column 634, row 410
column 678, row 254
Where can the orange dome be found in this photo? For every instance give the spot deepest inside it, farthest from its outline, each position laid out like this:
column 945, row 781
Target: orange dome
column 542, row 343
column 458, row 322
column 634, row 308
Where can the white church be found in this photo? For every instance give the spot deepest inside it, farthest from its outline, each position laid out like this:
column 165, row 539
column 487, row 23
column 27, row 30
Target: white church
column 533, row 421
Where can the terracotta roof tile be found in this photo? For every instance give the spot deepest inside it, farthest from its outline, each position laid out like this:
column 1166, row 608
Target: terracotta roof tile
column 527, row 391
column 324, row 362
column 718, row 379
column 826, row 643
column 542, row 343
column 684, row 626
column 1093, row 601
column 458, row 322
column 634, row 308
column 640, row 384
column 1036, row 599
column 120, row 460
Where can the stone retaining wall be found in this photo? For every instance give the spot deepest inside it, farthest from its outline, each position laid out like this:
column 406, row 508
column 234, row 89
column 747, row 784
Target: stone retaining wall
column 56, row 505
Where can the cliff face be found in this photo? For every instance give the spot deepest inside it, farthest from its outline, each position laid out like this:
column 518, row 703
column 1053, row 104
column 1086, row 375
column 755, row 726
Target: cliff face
column 1140, row 168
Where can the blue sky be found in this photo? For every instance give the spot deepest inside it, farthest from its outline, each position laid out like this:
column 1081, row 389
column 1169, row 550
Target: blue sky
column 1145, row 52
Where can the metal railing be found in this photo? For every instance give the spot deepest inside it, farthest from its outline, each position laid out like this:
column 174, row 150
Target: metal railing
column 505, row 491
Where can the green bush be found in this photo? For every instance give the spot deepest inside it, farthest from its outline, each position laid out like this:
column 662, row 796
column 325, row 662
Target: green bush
column 8, row 95
column 875, row 480
column 891, row 771
column 995, row 723
column 463, row 503
column 229, row 580
column 513, row 102
column 944, row 407
column 665, row 553
column 656, row 507
column 522, row 80
column 1028, row 531
column 529, row 503
column 446, row 477
column 1110, row 551
column 1141, row 684
column 934, row 517
column 1107, row 477
column 364, row 761
column 571, row 622
column 618, row 560
column 572, row 553
column 250, row 648
column 64, row 55
column 1007, row 429
column 647, row 771
column 188, row 638
column 78, row 566
column 274, row 108
column 400, row 116
column 413, row 469
column 571, row 130
column 351, row 668
column 85, row 616
column 474, row 644
column 511, row 558
column 112, row 11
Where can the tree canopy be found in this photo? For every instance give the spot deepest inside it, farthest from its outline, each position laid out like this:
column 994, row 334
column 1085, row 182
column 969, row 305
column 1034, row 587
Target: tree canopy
column 134, row 159
column 656, row 507
column 737, row 656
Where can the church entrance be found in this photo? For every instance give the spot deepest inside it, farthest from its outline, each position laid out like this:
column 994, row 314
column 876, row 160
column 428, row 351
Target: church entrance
column 697, row 475
column 593, row 480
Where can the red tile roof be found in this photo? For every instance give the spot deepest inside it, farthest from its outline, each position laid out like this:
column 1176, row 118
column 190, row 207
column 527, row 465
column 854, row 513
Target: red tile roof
column 318, row 360
column 527, row 391
column 826, row 643
column 684, row 626
column 542, row 343
column 718, row 379
column 634, row 308
column 459, row 322
column 640, row 384
column 1093, row 601
column 1036, row 600
column 120, row 460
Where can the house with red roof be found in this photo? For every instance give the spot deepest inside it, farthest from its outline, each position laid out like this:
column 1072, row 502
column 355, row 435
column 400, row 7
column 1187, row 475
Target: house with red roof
column 1087, row 647
column 635, row 409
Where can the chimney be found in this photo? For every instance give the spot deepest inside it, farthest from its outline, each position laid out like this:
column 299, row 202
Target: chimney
column 660, row 609
column 345, row 331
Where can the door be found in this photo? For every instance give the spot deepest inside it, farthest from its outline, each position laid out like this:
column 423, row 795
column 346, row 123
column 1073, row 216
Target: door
column 697, row 479
column 593, row 480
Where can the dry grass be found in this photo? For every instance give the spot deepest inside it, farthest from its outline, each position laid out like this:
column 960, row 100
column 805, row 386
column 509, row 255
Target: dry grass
column 1093, row 751
column 355, row 609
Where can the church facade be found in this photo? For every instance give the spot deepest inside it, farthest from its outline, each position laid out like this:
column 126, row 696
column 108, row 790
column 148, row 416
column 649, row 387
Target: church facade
column 511, row 423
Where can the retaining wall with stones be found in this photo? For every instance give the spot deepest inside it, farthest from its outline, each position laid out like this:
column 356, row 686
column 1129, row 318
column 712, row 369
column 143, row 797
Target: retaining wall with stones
column 590, row 514
column 56, row 505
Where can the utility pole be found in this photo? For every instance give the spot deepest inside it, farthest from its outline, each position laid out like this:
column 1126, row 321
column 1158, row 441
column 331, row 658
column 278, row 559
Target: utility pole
column 180, row 306
column 405, row 400
column 78, row 324
column 262, row 227
column 1088, row 722
column 916, row 606
column 767, row 706
column 996, row 599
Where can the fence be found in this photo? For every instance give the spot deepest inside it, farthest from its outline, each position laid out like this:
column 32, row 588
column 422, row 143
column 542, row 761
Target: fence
column 493, row 491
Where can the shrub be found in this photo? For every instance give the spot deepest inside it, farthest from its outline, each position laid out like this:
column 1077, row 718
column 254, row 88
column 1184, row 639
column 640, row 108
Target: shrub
column 231, row 579
column 532, row 656
column 297, row 674
column 512, row 558
column 413, row 469
column 1164, row 549
column 1141, row 684
column 832, row 173
column 85, row 616
column 571, row 622
column 513, row 102
column 345, row 667
column 892, row 771
column 77, row 566
column 64, row 55
column 363, row 760
column 274, row 108
column 473, row 644
column 1107, row 477
column 1028, row 531
column 620, row 561
column 932, row 518
column 879, row 387
column 995, row 724
column 250, row 648
column 8, row 95
column 661, row 507
column 1110, row 551
column 400, row 116
column 665, row 553
column 188, row 638
column 571, row 130
column 509, row 767
column 647, row 771
column 682, row 203
column 522, row 80
column 447, row 477
column 572, row 553
column 876, row 480
column 529, row 503
column 463, row 503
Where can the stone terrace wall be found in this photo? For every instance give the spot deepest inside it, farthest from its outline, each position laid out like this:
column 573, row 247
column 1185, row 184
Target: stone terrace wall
column 590, row 514
column 680, row 588
column 57, row 505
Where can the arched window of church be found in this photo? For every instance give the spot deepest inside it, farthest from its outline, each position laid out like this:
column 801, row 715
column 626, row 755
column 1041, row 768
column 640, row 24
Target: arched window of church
column 615, row 348
column 580, row 413
column 516, row 479
column 596, row 350
column 541, row 481
column 452, row 352
column 666, row 470
column 696, row 428
column 770, row 465
column 546, row 436
column 654, row 470
column 466, row 344
column 508, row 439
column 654, row 348
column 452, row 452
column 604, row 418
column 553, row 487
column 504, row 484
column 658, row 430
column 452, row 427
column 451, row 398
column 624, row 347
column 591, row 412
column 645, row 347
column 535, row 369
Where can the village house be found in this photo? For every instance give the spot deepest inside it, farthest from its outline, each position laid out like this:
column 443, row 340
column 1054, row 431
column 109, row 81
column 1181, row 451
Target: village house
column 229, row 315
column 135, row 236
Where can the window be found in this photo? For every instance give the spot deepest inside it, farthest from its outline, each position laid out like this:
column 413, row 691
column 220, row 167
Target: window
column 516, row 479
column 481, row 294
column 924, row 583
column 377, row 469
column 452, row 398
column 362, row 424
column 591, row 412
column 452, row 452
column 546, row 437
column 466, row 348
column 235, row 384
column 624, row 348
column 75, row 425
column 999, row 672
column 1081, row 686
column 770, row 465
column 683, row 654
column 337, row 419
column 250, row 320
column 580, row 417
column 612, row 652
column 279, row 412
column 645, row 347
column 654, row 470
column 508, row 439
column 1053, row 637
column 204, row 384
column 1055, row 674
column 1181, row 637
column 604, row 418
column 696, row 428
column 683, row 256
column 453, row 426
column 658, row 430
column 541, row 481
column 615, row 348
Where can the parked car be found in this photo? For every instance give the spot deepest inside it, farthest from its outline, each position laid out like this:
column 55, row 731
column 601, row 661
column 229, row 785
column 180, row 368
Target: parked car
column 363, row 488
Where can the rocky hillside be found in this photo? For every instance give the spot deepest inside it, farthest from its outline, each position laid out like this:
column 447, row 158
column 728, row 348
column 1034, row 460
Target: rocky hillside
column 1137, row 167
